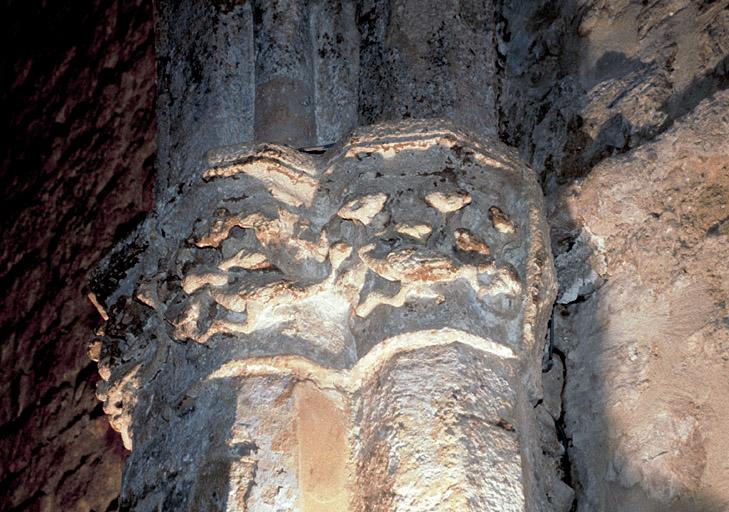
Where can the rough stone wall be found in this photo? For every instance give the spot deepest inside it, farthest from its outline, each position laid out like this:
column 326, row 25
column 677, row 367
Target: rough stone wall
column 644, row 322
column 585, row 79
column 77, row 156
column 621, row 106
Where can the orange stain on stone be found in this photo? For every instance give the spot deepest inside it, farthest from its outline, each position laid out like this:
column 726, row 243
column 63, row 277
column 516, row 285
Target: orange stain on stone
column 323, row 451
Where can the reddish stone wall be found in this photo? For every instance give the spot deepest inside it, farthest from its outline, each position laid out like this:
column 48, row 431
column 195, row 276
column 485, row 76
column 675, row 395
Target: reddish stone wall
column 77, row 159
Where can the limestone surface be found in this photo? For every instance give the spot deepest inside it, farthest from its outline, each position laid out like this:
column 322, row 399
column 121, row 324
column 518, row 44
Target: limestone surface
column 644, row 320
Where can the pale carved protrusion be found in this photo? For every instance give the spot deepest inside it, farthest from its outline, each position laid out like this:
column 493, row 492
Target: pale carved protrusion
column 448, row 202
column 364, row 208
column 468, row 242
column 288, row 182
column 501, row 221
column 279, row 232
column 415, row 230
column 247, row 259
column 416, row 270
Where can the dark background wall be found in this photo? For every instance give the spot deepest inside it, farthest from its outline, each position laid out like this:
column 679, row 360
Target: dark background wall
column 77, row 92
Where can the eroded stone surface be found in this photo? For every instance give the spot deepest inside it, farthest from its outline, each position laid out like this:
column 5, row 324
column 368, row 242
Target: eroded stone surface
column 644, row 321
column 583, row 82
column 588, row 79
column 391, row 334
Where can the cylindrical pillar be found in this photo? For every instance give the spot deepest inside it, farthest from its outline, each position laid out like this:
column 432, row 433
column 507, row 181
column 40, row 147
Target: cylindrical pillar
column 428, row 59
column 284, row 110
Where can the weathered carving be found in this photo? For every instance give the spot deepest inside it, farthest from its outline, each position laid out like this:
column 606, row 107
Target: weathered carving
column 398, row 284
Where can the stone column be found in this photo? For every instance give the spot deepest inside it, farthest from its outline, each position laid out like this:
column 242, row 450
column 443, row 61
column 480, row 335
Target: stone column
column 284, row 110
column 428, row 59
column 357, row 329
